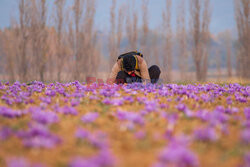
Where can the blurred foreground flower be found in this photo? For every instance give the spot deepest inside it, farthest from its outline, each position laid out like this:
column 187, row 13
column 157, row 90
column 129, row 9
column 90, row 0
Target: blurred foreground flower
column 90, row 117
column 38, row 136
column 205, row 134
column 103, row 159
column 176, row 154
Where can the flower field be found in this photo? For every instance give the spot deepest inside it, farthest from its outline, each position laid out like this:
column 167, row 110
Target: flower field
column 135, row 125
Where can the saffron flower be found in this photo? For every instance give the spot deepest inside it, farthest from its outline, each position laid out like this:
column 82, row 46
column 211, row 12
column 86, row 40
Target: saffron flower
column 90, row 117
column 5, row 133
column 140, row 135
column 45, row 117
column 103, row 159
column 247, row 113
column 10, row 113
column 177, row 154
column 18, row 162
column 82, row 133
column 74, row 102
column 38, row 136
column 205, row 134
column 68, row 110
column 245, row 136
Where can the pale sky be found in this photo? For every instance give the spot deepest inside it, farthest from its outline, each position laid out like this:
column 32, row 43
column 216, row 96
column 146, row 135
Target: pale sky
column 222, row 13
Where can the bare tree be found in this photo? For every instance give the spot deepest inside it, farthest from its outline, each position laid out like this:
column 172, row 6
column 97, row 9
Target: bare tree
column 71, row 44
column 229, row 55
column 200, row 32
column 242, row 18
column 1, row 52
column 205, row 36
column 9, row 51
column 116, row 32
column 218, row 62
column 23, row 36
column 145, row 30
column 167, row 58
column 39, row 34
column 77, row 12
column 132, row 28
column 182, row 40
column 155, row 49
column 112, row 38
column 226, row 39
column 85, row 55
column 90, row 54
column 120, row 27
column 59, row 21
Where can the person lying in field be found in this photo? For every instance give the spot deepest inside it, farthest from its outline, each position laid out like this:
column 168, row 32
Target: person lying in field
column 132, row 67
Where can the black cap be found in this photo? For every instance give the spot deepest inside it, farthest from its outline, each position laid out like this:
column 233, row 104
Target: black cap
column 129, row 63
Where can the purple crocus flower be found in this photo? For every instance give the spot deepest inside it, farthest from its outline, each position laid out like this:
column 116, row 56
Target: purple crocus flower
column 164, row 105
column 206, row 98
column 140, row 135
column 107, row 92
column 18, row 162
column 240, row 98
column 234, row 110
column 82, row 133
column 50, row 92
column 103, row 159
column 117, row 102
column 41, row 141
column 98, row 139
column 121, row 115
column 247, row 159
column 22, row 162
column 219, row 116
column 130, row 126
column 229, row 100
column 231, row 110
column 188, row 113
column 151, row 105
column 130, row 99
column 130, row 116
column 220, row 109
column 172, row 118
column 82, row 162
column 5, row 133
column 68, row 110
column 141, row 99
column 246, row 124
column 10, row 113
column 75, row 102
column 106, row 101
column 92, row 97
column 45, row 117
column 38, row 136
column 247, row 113
column 177, row 155
column 205, row 134
column 90, row 117
column 181, row 107
column 203, row 115
column 245, row 136
column 8, row 100
column 46, row 100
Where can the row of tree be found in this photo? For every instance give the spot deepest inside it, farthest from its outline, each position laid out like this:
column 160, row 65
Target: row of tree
column 65, row 50
column 71, row 48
